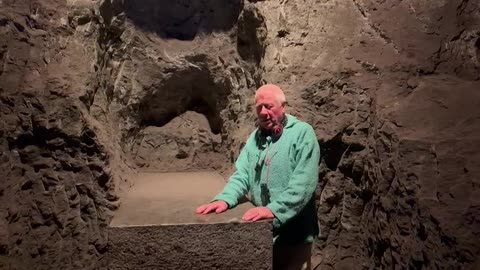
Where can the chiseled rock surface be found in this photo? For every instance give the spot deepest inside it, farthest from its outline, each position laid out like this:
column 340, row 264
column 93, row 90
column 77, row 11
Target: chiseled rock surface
column 90, row 91
column 193, row 246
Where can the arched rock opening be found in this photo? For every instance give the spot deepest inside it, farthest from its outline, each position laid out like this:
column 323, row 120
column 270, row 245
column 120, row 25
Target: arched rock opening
column 180, row 121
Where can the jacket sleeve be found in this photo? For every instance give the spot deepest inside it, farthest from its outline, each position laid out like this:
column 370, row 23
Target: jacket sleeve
column 303, row 181
column 238, row 185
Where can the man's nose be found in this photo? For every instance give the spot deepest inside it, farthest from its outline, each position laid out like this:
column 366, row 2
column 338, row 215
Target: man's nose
column 263, row 110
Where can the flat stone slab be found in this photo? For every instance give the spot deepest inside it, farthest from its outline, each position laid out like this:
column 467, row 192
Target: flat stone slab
column 156, row 228
column 171, row 198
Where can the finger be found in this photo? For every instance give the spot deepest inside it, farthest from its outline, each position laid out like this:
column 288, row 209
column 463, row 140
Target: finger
column 221, row 208
column 200, row 209
column 210, row 208
column 250, row 214
column 258, row 217
column 246, row 215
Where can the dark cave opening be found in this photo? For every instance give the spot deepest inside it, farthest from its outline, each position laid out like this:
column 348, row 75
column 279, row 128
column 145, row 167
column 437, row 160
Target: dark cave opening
column 332, row 151
column 477, row 49
column 199, row 105
column 179, row 122
column 187, row 90
column 196, row 104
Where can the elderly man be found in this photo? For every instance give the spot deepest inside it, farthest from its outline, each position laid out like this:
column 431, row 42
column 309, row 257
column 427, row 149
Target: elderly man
column 278, row 168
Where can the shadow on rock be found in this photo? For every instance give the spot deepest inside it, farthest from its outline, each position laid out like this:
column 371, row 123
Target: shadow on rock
column 183, row 19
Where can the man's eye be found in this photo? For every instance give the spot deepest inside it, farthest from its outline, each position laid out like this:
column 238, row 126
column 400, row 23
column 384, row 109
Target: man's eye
column 268, row 107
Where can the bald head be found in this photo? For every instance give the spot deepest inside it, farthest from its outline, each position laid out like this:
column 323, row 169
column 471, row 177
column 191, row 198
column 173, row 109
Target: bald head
column 271, row 90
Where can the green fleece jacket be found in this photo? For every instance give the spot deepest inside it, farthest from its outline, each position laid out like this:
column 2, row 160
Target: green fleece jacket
column 286, row 186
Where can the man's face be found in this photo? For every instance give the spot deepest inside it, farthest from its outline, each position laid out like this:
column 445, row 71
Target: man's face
column 269, row 111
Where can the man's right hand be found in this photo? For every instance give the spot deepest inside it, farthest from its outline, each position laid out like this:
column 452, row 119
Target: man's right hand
column 217, row 206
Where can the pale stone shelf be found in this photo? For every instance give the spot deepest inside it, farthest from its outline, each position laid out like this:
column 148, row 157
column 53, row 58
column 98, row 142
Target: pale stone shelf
column 171, row 198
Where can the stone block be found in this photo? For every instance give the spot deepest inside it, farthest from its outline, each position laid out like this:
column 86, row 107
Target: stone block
column 156, row 228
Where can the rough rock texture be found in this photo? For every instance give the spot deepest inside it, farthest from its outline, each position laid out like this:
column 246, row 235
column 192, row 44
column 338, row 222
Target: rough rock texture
column 57, row 190
column 391, row 89
column 195, row 246
column 90, row 91
column 171, row 77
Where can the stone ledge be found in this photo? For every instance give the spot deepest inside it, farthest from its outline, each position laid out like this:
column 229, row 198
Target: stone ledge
column 156, row 228
column 171, row 198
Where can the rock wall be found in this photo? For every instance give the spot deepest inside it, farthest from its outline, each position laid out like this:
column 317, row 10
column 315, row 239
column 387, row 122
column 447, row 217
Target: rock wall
column 171, row 76
column 59, row 169
column 391, row 89
column 92, row 91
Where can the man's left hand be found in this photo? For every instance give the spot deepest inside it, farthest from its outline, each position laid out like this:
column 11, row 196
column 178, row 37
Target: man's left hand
column 258, row 213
